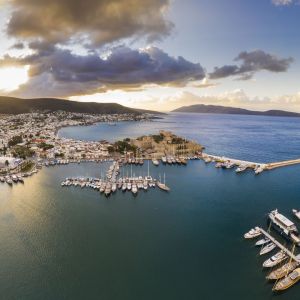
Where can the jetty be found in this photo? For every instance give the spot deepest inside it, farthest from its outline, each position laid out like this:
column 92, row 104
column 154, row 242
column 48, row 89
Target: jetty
column 223, row 161
column 279, row 245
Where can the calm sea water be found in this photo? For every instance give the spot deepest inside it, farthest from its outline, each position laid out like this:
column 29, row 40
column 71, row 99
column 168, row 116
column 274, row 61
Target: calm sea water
column 72, row 243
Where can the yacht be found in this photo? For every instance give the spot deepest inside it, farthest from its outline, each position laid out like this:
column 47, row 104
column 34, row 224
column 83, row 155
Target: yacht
column 275, row 259
column 284, row 226
column 296, row 213
column 163, row 186
column 134, row 189
column 145, row 185
column 183, row 161
column 241, row 168
column 107, row 189
column 288, row 281
column 283, row 270
column 267, row 248
column 253, row 233
column 128, row 186
column 114, row 187
column 262, row 242
column 102, row 187
column 155, row 162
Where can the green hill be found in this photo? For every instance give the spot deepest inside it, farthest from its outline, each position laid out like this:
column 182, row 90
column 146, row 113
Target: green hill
column 10, row 105
column 216, row 109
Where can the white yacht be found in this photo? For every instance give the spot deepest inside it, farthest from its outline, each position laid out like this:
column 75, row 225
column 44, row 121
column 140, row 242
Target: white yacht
column 267, row 248
column 155, row 162
column 296, row 213
column 134, row 189
column 253, row 233
column 262, row 242
column 284, row 226
column 275, row 259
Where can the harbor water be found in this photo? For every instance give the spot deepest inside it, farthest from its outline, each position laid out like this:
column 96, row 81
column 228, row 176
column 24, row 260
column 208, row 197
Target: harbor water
column 72, row 243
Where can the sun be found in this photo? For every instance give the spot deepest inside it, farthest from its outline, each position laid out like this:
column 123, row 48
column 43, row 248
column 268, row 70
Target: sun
column 11, row 78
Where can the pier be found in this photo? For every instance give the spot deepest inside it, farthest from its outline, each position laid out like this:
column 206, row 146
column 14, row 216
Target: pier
column 279, row 245
column 258, row 167
column 285, row 163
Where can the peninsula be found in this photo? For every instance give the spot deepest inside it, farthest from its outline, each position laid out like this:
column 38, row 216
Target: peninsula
column 216, row 109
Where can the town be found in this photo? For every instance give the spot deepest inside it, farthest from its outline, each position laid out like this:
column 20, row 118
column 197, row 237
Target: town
column 30, row 141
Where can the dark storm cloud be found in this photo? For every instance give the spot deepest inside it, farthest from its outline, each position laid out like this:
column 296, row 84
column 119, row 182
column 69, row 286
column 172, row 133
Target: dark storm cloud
column 252, row 62
column 123, row 67
column 100, row 21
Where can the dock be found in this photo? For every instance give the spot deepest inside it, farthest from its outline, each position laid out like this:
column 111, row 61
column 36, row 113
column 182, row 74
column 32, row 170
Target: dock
column 258, row 167
column 285, row 163
column 279, row 245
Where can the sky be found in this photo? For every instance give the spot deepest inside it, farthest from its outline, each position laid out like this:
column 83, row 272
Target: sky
column 153, row 54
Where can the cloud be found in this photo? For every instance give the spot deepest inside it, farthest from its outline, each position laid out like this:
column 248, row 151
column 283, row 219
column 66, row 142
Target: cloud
column 65, row 74
column 95, row 21
column 282, row 2
column 251, row 63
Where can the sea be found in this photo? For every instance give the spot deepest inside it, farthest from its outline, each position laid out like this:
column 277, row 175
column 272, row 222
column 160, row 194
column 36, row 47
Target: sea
column 72, row 243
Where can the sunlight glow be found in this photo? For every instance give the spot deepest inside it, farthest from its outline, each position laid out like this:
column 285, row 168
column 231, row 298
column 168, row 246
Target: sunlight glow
column 11, row 78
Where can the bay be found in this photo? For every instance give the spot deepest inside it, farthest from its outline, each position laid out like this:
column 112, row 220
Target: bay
column 72, row 243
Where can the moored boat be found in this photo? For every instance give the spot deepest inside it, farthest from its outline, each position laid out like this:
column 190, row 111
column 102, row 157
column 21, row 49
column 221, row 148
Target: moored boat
column 262, row 242
column 267, row 248
column 284, row 226
column 252, row 233
column 288, row 281
column 275, row 260
column 283, row 270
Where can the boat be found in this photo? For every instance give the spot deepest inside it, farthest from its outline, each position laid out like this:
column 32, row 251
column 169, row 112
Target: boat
column 163, row 186
column 283, row 270
column 124, row 187
column 107, row 189
column 241, row 168
column 114, row 187
column 267, row 248
column 296, row 213
column 288, row 281
column 284, row 226
column 183, row 161
column 262, row 242
column 275, row 260
column 134, row 189
column 252, row 233
column 164, row 160
column 102, row 187
column 155, row 162
column 145, row 185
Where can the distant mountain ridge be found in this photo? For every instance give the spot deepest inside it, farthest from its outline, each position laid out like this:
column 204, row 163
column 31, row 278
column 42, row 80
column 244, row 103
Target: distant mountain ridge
column 216, row 109
column 10, row 105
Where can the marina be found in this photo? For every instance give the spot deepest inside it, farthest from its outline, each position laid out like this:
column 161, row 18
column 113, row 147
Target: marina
column 287, row 274
column 112, row 182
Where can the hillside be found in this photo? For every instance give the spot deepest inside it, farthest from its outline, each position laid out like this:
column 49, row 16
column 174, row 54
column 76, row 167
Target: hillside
column 216, row 109
column 10, row 105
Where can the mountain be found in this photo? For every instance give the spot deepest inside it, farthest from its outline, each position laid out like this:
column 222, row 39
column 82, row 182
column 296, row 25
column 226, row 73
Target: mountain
column 216, row 109
column 10, row 105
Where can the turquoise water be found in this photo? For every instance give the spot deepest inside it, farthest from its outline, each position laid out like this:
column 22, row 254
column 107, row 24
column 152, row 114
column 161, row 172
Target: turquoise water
column 72, row 243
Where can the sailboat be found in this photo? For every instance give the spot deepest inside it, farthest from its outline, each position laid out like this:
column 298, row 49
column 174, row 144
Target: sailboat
column 163, row 186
